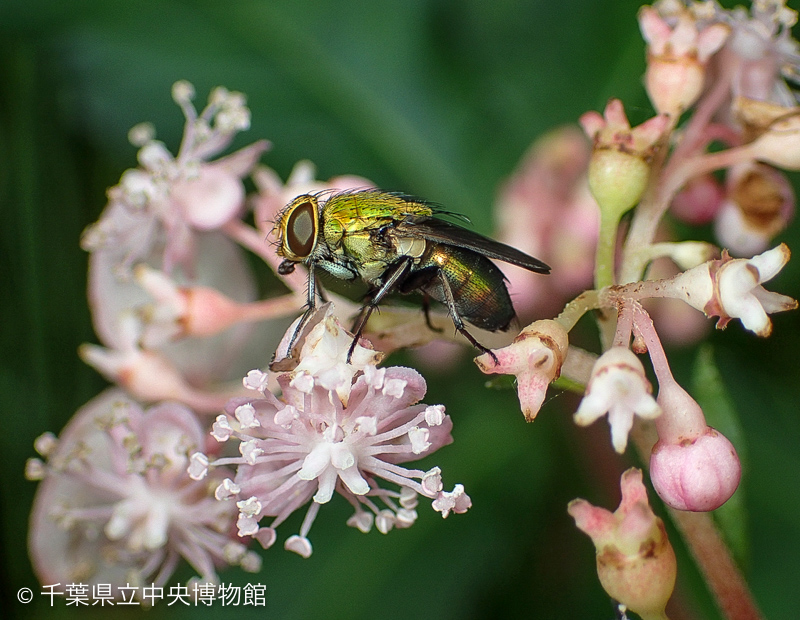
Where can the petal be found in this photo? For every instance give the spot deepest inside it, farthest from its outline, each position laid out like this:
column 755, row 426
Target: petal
column 769, row 263
column 316, row 461
column 749, row 310
column 342, row 456
column 327, row 484
column 593, row 406
column 354, row 481
column 773, row 302
column 646, row 407
column 620, row 418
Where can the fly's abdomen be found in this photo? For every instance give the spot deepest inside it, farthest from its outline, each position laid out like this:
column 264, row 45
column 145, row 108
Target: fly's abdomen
column 478, row 287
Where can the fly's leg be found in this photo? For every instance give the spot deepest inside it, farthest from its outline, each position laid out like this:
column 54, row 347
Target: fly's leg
column 399, row 271
column 457, row 320
column 426, row 308
column 288, row 362
column 320, row 291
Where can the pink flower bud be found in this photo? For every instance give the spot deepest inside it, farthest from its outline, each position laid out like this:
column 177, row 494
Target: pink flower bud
column 677, row 55
column 535, row 357
column 697, row 475
column 635, row 561
column 692, row 466
column 699, row 201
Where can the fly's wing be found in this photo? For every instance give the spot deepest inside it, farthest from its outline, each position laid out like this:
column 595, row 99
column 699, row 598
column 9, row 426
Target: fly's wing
column 439, row 231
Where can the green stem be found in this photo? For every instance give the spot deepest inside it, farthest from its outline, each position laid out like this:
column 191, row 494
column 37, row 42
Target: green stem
column 606, row 249
column 604, row 272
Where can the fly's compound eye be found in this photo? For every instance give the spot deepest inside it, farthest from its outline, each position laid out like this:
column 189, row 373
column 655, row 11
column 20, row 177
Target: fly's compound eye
column 300, row 228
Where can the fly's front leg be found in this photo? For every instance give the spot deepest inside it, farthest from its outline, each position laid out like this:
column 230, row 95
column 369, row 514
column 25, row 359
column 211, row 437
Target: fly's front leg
column 457, row 320
column 289, row 362
column 398, row 272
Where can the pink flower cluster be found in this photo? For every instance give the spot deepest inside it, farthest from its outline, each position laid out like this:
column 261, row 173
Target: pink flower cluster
column 125, row 493
column 115, row 504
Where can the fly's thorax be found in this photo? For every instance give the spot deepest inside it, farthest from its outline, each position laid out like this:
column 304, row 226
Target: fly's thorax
column 369, row 206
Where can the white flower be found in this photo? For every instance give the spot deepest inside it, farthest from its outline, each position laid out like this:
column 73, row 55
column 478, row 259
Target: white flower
column 731, row 289
column 741, row 295
column 617, row 386
column 324, row 345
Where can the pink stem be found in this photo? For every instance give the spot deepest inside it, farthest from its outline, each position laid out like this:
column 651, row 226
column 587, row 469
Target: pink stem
column 712, row 556
column 682, row 418
column 622, row 336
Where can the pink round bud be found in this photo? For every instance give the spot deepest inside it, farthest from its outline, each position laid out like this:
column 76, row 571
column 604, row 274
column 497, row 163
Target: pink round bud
column 697, row 474
column 699, row 201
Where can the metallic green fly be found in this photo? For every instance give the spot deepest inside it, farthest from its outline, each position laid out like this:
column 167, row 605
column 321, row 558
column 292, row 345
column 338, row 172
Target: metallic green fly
column 396, row 243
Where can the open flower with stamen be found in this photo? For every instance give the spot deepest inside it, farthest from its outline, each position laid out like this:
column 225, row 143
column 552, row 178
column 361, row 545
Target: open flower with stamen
column 618, row 386
column 116, row 505
column 168, row 199
column 308, row 444
column 167, row 215
column 760, row 54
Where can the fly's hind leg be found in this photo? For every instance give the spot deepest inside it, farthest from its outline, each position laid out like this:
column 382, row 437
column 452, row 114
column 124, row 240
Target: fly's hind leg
column 456, row 317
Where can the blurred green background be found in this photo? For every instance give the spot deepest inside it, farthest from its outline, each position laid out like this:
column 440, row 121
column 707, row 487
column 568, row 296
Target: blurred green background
column 437, row 98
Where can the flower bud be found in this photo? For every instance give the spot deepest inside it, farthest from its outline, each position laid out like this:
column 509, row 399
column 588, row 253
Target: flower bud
column 692, row 466
column 699, row 201
column 635, row 561
column 535, row 357
column 697, row 475
column 620, row 165
column 677, row 55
